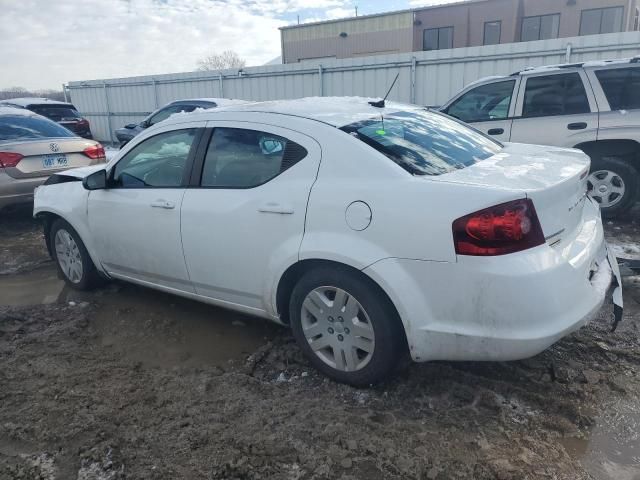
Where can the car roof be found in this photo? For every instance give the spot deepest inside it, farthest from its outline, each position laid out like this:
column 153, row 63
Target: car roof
column 222, row 102
column 335, row 111
column 558, row 67
column 26, row 101
column 8, row 110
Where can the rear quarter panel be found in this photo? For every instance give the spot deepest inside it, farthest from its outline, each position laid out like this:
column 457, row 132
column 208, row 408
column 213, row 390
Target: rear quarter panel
column 411, row 217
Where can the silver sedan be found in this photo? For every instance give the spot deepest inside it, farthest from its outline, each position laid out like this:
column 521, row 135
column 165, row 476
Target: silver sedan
column 32, row 148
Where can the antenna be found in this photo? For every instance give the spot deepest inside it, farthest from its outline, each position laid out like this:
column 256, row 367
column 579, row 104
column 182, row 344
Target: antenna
column 380, row 103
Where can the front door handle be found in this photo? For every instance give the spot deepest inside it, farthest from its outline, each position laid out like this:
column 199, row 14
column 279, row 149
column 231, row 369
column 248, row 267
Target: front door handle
column 496, row 131
column 577, row 126
column 275, row 207
column 161, row 203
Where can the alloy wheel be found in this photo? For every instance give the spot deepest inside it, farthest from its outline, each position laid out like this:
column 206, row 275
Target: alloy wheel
column 606, row 187
column 68, row 255
column 337, row 328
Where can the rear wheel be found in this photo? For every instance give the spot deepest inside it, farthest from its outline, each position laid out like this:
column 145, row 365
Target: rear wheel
column 613, row 183
column 345, row 326
column 72, row 259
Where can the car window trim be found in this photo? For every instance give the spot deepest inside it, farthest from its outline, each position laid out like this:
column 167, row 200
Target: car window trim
column 195, row 180
column 188, row 167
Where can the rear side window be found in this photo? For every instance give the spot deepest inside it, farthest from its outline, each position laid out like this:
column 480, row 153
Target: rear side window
column 57, row 113
column 22, row 127
column 423, row 142
column 621, row 86
column 484, row 103
column 243, row 158
column 562, row 94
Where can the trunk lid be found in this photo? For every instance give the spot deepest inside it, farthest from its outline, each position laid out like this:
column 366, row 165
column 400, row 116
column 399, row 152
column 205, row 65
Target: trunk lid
column 51, row 155
column 555, row 179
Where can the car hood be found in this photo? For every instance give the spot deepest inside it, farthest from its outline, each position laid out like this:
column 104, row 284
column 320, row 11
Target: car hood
column 82, row 172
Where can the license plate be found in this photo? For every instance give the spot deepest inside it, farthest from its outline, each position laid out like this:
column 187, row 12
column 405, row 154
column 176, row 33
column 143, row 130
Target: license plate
column 55, row 160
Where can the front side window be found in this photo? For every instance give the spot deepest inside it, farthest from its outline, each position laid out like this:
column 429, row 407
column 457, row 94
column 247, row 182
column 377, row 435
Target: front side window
column 159, row 161
column 562, row 94
column 542, row 27
column 484, row 103
column 601, row 20
column 242, row 158
column 492, row 32
column 621, row 86
column 24, row 127
column 423, row 142
column 437, row 38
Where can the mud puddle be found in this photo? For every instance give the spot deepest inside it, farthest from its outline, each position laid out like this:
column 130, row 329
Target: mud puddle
column 611, row 450
column 153, row 328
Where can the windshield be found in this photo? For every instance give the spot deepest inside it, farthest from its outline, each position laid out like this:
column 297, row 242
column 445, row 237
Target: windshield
column 423, row 142
column 56, row 113
column 22, row 127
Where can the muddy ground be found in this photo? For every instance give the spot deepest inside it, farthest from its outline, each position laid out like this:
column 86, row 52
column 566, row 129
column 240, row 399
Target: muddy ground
column 129, row 383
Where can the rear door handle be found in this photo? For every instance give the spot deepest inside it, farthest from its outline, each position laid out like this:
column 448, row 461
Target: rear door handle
column 496, row 131
column 275, row 207
column 161, row 203
column 577, row 126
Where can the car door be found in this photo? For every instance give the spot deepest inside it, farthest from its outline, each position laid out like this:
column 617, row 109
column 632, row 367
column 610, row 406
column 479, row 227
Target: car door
column 135, row 222
column 246, row 216
column 555, row 108
column 488, row 108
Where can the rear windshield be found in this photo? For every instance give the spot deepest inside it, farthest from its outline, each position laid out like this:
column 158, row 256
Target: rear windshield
column 22, row 127
column 424, row 142
column 57, row 113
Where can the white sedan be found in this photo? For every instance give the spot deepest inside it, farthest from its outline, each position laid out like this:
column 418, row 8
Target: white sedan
column 369, row 229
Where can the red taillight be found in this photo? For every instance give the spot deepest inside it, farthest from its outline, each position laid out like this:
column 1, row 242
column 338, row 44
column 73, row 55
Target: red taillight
column 83, row 122
column 506, row 228
column 95, row 152
column 9, row 159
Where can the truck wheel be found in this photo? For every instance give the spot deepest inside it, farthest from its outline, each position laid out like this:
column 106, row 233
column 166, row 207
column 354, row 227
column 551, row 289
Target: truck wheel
column 613, row 183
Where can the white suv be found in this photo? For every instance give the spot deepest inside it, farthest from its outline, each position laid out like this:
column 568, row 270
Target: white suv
column 593, row 106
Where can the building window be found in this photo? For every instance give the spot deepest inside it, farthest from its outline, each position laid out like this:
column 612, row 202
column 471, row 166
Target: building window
column 438, row 38
column 492, row 32
column 542, row 27
column 601, row 20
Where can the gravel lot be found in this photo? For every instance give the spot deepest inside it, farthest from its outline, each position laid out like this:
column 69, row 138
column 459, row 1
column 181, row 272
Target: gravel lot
column 130, row 383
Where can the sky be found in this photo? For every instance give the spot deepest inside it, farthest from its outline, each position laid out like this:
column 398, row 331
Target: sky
column 45, row 43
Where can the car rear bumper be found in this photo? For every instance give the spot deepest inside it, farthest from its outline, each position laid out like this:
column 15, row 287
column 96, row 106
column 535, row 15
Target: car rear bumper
column 501, row 308
column 17, row 190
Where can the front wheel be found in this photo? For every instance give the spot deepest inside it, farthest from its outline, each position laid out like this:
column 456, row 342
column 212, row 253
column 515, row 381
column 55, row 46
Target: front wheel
column 72, row 259
column 346, row 326
column 613, row 183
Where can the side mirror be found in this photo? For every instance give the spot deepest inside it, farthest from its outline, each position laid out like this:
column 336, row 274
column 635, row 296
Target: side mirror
column 95, row 181
column 145, row 124
column 130, row 125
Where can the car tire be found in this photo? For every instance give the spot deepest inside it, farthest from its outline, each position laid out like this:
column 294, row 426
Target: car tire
column 357, row 341
column 71, row 257
column 613, row 183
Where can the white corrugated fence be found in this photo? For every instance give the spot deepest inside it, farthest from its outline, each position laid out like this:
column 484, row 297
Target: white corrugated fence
column 426, row 78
